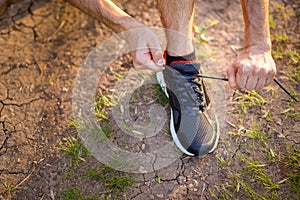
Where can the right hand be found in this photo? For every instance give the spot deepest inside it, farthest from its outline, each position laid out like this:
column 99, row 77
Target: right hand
column 147, row 53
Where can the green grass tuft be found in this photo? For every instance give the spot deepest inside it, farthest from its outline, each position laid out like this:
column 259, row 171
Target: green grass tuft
column 72, row 147
column 159, row 95
column 112, row 181
column 74, row 193
column 102, row 102
column 248, row 99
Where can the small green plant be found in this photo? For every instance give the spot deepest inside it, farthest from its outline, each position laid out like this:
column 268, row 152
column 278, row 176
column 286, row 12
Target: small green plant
column 292, row 57
column 281, row 37
column 201, row 32
column 292, row 163
column 9, row 189
column 119, row 183
column 73, row 148
column 71, row 173
column 224, row 191
column 72, row 123
column 111, row 180
column 224, row 163
column 249, row 99
column 277, row 54
column 296, row 75
column 291, row 112
column 293, row 157
column 257, row 169
column 74, row 193
column 95, row 173
column 270, row 155
column 158, row 179
column 167, row 132
column 271, row 21
column 101, row 104
column 107, row 130
column 75, row 124
column 294, row 181
column 118, row 75
column 242, row 185
column 267, row 115
column 258, row 133
column 159, row 95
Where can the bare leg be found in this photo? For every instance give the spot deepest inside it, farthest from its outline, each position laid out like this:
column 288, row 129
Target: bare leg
column 179, row 17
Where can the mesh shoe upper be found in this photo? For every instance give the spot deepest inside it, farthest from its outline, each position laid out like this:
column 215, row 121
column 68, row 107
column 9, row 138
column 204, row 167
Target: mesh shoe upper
column 195, row 126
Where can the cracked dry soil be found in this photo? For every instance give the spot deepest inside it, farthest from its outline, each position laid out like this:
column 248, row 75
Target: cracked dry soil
column 43, row 44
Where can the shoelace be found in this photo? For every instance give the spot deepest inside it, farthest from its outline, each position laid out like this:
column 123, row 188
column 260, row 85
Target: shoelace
column 275, row 80
column 197, row 95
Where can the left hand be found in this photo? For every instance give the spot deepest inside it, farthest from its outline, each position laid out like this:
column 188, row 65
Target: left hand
column 253, row 69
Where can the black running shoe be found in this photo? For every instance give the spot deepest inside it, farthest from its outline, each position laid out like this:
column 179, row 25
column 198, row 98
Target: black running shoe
column 193, row 126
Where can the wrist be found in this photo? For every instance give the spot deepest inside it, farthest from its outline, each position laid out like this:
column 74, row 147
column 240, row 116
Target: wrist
column 262, row 43
column 124, row 23
column 256, row 49
column 131, row 23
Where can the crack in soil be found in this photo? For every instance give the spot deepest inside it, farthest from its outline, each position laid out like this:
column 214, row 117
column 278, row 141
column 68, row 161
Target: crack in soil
column 5, row 171
column 3, row 144
column 20, row 104
column 12, row 68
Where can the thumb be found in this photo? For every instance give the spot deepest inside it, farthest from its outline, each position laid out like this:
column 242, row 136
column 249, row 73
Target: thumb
column 231, row 74
column 157, row 56
column 156, row 53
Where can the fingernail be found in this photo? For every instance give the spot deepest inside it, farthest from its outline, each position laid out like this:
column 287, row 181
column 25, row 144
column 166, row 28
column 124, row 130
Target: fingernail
column 160, row 62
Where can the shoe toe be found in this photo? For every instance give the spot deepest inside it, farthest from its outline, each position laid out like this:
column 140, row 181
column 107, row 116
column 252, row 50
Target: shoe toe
column 198, row 134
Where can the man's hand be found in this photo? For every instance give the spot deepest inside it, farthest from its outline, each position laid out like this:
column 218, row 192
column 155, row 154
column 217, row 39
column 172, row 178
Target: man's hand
column 144, row 44
column 253, row 69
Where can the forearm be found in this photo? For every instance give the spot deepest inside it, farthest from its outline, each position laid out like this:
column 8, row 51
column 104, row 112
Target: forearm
column 256, row 18
column 108, row 13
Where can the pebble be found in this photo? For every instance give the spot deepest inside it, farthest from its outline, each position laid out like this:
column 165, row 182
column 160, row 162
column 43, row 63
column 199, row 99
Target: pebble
column 160, row 195
column 190, row 185
column 278, row 121
column 64, row 89
column 181, row 180
column 143, row 147
column 148, row 183
column 195, row 183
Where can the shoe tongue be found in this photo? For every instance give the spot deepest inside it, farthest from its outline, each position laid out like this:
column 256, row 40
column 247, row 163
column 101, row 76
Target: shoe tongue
column 186, row 67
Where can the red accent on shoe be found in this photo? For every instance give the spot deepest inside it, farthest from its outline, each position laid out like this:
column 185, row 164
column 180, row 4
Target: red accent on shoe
column 183, row 62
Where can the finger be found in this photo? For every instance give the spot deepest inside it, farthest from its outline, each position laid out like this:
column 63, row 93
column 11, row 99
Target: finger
column 231, row 74
column 156, row 52
column 260, row 84
column 268, row 81
column 157, row 56
column 139, row 66
column 241, row 80
column 251, row 82
column 151, row 65
column 142, row 60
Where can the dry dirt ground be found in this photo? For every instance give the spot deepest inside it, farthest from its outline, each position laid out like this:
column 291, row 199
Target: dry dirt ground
column 43, row 44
